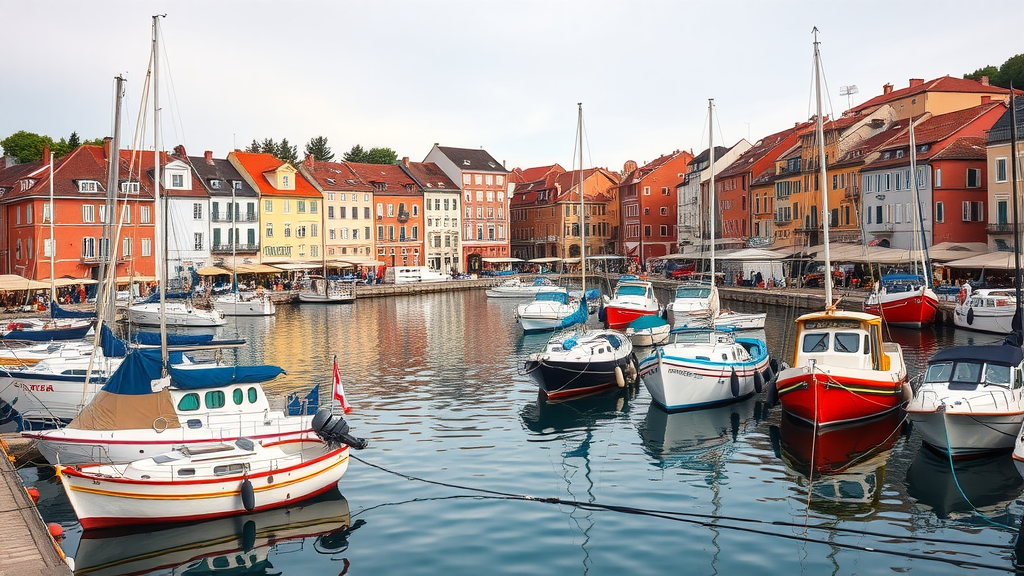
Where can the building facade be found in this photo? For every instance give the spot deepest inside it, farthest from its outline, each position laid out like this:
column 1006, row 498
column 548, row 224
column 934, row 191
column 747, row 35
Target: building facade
column 442, row 215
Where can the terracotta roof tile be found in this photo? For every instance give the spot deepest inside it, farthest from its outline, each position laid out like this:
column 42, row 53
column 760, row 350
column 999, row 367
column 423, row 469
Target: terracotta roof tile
column 429, row 176
column 258, row 164
column 392, row 178
column 943, row 84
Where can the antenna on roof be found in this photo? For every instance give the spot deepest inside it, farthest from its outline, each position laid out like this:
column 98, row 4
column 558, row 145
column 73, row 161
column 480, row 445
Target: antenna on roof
column 848, row 91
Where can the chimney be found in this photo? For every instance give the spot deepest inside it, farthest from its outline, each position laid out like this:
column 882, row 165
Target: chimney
column 106, row 147
column 179, row 150
column 984, row 80
column 46, row 153
column 308, row 161
column 405, row 161
column 886, row 89
column 208, row 156
column 986, row 99
column 916, row 82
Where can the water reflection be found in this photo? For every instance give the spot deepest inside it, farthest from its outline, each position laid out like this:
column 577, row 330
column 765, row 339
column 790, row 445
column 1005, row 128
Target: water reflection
column 545, row 417
column 238, row 545
column 846, row 464
column 698, row 439
column 990, row 483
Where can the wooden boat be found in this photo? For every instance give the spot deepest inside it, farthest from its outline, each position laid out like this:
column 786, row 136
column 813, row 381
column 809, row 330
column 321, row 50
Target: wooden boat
column 583, row 361
column 327, row 291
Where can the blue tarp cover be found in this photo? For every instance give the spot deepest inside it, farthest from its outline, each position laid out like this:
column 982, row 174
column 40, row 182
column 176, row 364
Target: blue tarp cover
column 577, row 317
column 153, row 339
column 57, row 312
column 648, row 321
column 113, row 347
column 192, row 378
column 560, row 297
column 49, row 334
column 137, row 372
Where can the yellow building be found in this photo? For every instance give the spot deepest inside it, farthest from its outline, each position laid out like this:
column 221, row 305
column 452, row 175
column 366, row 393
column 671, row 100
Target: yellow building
column 290, row 211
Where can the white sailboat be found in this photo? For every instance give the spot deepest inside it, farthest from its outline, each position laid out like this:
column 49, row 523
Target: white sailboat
column 242, row 303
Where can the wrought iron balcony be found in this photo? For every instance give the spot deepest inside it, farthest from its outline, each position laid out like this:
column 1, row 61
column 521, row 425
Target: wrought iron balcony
column 403, row 217
column 221, row 217
column 852, row 191
column 1004, row 228
column 223, row 248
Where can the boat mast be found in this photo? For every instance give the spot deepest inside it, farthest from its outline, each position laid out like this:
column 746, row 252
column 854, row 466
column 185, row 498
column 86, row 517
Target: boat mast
column 108, row 279
column 583, row 217
column 926, row 268
column 820, row 133
column 711, row 186
column 1019, row 316
column 161, row 224
column 53, row 247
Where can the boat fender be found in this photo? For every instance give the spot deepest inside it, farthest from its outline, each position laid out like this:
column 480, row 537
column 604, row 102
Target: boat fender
column 774, row 365
column 634, row 369
column 758, row 382
column 248, row 496
column 734, row 383
column 773, row 394
column 970, row 316
column 248, row 535
column 602, row 314
column 619, row 378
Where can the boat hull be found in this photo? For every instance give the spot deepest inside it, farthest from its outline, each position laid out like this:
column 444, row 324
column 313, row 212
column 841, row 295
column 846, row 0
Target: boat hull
column 910, row 309
column 966, row 434
column 239, row 305
column 741, row 320
column 149, row 315
column 994, row 320
column 48, row 398
column 583, row 364
column 103, row 502
column 681, row 383
column 321, row 299
column 619, row 318
column 840, row 395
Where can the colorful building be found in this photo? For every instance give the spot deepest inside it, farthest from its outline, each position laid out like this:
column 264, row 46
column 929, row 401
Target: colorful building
column 348, row 212
column 442, row 213
column 647, row 199
column 1000, row 155
column 398, row 214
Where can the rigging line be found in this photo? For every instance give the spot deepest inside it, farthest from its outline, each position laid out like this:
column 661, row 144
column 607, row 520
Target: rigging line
column 673, row 514
column 176, row 122
column 952, row 470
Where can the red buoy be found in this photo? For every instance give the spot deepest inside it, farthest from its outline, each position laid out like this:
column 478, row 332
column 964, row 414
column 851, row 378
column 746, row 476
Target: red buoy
column 55, row 530
column 33, row 493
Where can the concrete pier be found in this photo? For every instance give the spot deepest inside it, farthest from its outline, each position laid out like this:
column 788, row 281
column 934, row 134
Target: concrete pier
column 26, row 548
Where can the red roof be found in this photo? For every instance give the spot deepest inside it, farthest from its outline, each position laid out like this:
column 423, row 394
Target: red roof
column 336, row 176
column 943, row 84
column 430, row 176
column 387, row 179
column 763, row 147
column 86, row 162
column 963, row 148
column 257, row 164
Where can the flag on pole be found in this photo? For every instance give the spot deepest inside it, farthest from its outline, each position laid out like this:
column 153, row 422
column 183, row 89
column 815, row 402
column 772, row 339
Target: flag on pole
column 339, row 391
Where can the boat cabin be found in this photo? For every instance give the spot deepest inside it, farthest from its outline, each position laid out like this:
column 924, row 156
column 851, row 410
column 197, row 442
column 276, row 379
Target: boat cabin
column 634, row 289
column 967, row 367
column 993, row 298
column 844, row 339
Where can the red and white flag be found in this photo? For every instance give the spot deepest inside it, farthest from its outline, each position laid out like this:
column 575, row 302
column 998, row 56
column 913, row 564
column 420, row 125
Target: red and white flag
column 339, row 391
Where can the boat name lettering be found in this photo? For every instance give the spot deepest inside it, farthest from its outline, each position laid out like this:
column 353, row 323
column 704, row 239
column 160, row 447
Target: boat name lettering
column 686, row 373
column 277, row 250
column 832, row 324
column 36, row 387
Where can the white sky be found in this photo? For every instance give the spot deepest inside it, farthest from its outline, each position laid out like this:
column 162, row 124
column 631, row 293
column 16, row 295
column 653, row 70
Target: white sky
column 499, row 74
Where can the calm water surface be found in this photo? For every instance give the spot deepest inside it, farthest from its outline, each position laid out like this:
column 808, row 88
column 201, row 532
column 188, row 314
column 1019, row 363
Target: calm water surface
column 435, row 385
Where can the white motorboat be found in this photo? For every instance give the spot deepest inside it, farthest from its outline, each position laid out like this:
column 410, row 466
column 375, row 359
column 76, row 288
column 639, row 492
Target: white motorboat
column 407, row 274
column 648, row 331
column 631, row 299
column 701, row 368
column 729, row 319
column 987, row 310
column 695, row 304
column 22, row 354
column 971, row 400
column 327, row 291
column 178, row 313
column 257, row 303
column 516, row 288
column 194, row 483
column 54, row 390
column 547, row 311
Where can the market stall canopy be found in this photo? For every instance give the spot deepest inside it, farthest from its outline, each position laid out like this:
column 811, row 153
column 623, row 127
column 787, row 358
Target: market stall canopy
column 546, row 260
column 501, row 260
column 212, row 271
column 296, row 266
column 256, row 269
column 65, row 281
column 991, row 260
column 10, row 282
column 753, row 254
column 364, row 261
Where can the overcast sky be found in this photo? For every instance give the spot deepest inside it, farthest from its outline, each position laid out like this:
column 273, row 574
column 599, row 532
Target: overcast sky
column 499, row 74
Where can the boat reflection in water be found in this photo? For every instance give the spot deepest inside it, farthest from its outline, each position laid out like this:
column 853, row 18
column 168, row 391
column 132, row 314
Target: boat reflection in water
column 697, row 439
column 845, row 464
column 989, row 482
column 547, row 416
column 239, row 545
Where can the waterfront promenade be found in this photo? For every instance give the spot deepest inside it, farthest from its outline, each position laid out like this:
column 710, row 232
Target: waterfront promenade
column 27, row 549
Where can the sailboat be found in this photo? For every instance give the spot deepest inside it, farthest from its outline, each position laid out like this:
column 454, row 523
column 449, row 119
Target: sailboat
column 704, row 367
column 237, row 302
column 581, row 361
column 323, row 289
column 842, row 370
column 907, row 299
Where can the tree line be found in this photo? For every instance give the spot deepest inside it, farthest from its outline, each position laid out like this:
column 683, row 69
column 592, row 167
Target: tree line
column 29, row 146
column 1011, row 72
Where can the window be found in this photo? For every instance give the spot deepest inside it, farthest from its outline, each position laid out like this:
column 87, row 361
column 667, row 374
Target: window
column 147, row 246
column 1000, row 169
column 268, row 206
column 269, row 231
column 88, row 186
column 126, row 246
column 467, row 179
column 126, row 213
column 664, row 230
column 46, row 212
column 198, row 241
column 312, row 207
column 973, row 178
column 330, row 212
column 972, row 211
column 478, row 178
column 391, row 210
column 177, row 181
column 252, row 395
column 938, row 177
column 144, row 214
column 300, row 232
column 189, row 402
column 286, row 206
column 287, row 230
column 940, row 215
column 848, row 342
column 815, row 343
column 647, row 190
column 647, row 231
column 285, row 181
column 197, row 211
column 300, row 206
column 214, row 399
column 88, row 213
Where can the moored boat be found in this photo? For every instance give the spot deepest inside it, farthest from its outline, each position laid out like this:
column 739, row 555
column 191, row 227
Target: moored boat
column 631, row 299
column 649, row 330
column 903, row 300
column 695, row 304
column 516, row 288
column 987, row 310
column 581, row 362
column 257, row 303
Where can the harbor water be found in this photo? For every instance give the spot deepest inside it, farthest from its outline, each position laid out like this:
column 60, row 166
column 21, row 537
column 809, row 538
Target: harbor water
column 469, row 472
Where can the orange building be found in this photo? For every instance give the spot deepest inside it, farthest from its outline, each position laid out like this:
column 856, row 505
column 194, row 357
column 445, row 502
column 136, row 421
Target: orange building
column 397, row 213
column 79, row 215
column 647, row 199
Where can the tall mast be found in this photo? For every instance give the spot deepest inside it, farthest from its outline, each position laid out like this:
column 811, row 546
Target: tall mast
column 820, row 133
column 161, row 224
column 583, row 217
column 1016, row 226
column 53, row 246
column 711, row 185
column 105, row 290
column 926, row 269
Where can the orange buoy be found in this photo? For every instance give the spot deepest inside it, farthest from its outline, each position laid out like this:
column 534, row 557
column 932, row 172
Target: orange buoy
column 55, row 530
column 33, row 492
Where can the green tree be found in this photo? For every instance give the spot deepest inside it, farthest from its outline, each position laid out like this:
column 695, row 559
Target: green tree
column 381, row 156
column 26, row 146
column 990, row 71
column 253, row 148
column 1012, row 71
column 74, row 141
column 287, row 152
column 356, row 154
column 319, row 150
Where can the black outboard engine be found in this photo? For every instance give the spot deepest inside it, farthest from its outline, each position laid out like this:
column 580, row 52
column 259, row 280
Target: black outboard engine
column 334, row 430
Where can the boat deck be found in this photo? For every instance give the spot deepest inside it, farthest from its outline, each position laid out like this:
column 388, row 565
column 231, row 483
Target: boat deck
column 27, row 547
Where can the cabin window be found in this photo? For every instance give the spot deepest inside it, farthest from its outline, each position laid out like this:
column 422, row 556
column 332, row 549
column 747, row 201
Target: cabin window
column 969, row 372
column 237, row 396
column 252, row 395
column 816, row 343
column 189, row 402
column 187, row 472
column 996, row 374
column 215, row 399
column 939, row 372
column 227, row 469
column 848, row 342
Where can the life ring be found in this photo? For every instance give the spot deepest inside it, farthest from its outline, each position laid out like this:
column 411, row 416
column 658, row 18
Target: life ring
column 963, row 294
column 156, row 427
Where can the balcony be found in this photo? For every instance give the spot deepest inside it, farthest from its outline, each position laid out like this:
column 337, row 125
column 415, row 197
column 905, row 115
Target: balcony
column 219, row 217
column 884, row 229
column 783, row 219
column 227, row 248
column 1003, row 228
column 852, row 192
column 403, row 217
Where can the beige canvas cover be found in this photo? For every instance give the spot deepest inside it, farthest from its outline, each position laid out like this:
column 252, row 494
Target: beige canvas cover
column 109, row 411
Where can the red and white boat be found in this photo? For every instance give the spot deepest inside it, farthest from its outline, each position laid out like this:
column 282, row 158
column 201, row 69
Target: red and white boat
column 206, row 482
column 632, row 299
column 903, row 300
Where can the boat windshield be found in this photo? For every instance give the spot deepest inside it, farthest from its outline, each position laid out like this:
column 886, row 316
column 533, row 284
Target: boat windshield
column 690, row 292
column 816, row 342
column 631, row 291
column 968, row 373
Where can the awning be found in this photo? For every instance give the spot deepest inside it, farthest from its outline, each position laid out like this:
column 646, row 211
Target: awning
column 296, row 266
column 9, row 282
column 606, row 257
column 138, row 278
column 501, row 260
column 256, row 269
column 65, row 281
column 993, row 260
column 546, row 260
column 212, row 271
column 758, row 254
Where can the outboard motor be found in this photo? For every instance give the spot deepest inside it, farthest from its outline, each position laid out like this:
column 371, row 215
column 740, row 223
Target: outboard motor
column 334, row 430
